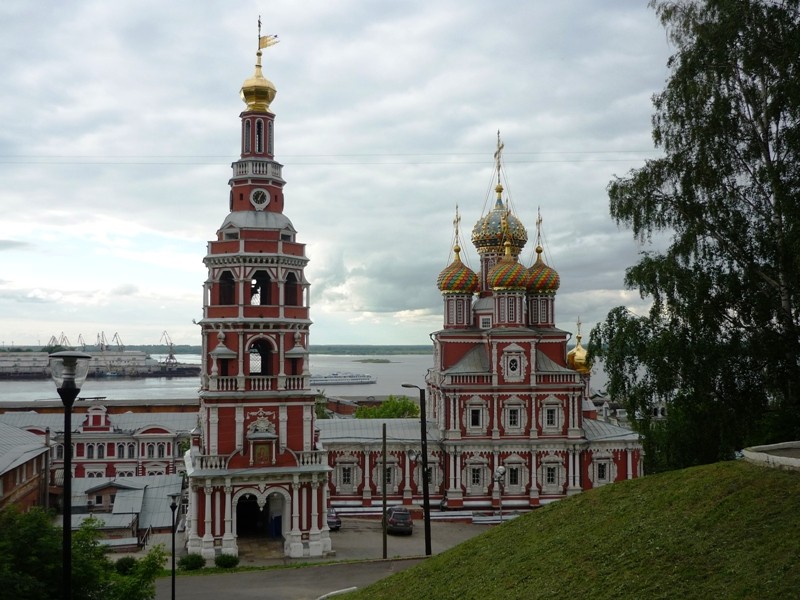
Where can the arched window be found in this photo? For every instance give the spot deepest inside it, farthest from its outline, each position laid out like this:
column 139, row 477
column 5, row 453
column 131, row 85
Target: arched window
column 151, row 450
column 260, row 358
column 60, row 451
column 89, row 450
column 270, row 138
column 121, row 451
column 161, row 450
column 101, row 450
column 246, row 136
column 227, row 288
column 291, row 290
column 131, row 450
column 261, row 289
column 259, row 136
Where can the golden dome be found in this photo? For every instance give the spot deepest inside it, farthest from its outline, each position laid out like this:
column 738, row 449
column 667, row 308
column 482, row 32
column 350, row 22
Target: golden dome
column 577, row 357
column 258, row 91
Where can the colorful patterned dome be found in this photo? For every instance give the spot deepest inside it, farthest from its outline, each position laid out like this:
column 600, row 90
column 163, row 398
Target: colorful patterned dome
column 508, row 274
column 543, row 279
column 457, row 278
column 497, row 226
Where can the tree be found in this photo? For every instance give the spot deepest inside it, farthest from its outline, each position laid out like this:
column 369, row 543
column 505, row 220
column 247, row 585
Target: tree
column 719, row 347
column 391, row 408
column 30, row 562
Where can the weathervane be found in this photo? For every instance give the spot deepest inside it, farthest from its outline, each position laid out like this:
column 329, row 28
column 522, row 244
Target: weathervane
column 267, row 40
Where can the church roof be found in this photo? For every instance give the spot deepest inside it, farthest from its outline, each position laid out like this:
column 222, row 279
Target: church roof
column 602, row 431
column 474, row 361
column 128, row 421
column 350, row 431
column 544, row 364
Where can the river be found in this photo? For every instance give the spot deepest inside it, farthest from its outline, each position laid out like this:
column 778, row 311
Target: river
column 401, row 368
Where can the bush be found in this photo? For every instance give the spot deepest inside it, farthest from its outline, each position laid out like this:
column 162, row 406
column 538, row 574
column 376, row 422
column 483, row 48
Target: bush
column 192, row 562
column 125, row 565
column 226, row 561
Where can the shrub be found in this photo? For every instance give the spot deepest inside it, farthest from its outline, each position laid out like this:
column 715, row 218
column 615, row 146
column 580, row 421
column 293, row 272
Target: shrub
column 192, row 562
column 125, row 565
column 226, row 561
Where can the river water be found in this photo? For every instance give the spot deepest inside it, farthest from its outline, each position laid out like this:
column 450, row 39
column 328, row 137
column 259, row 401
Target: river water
column 401, row 368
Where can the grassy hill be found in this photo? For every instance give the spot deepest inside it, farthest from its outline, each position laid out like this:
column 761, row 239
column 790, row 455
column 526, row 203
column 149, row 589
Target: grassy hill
column 728, row 530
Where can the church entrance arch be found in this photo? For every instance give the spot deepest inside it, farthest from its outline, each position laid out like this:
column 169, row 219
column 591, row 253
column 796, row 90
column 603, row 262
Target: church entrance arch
column 261, row 514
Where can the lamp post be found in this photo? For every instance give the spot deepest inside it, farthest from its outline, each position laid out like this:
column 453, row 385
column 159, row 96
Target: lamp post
column 426, row 502
column 499, row 472
column 68, row 370
column 173, row 506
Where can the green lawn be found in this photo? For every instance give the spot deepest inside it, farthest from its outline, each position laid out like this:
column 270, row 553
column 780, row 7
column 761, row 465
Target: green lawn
column 728, row 530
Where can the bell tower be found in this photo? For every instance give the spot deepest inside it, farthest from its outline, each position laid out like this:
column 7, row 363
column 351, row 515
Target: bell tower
column 255, row 464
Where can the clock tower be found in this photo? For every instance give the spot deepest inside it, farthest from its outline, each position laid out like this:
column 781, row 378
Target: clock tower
column 255, row 467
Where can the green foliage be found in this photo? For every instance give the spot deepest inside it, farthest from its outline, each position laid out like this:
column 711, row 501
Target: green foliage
column 703, row 532
column 191, row 562
column 719, row 347
column 391, row 408
column 125, row 565
column 31, row 559
column 226, row 561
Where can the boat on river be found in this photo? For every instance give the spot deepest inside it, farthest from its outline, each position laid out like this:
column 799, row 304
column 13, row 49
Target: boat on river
column 342, row 379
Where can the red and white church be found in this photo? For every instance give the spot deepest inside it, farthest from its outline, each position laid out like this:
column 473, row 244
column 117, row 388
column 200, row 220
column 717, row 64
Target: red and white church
column 503, row 390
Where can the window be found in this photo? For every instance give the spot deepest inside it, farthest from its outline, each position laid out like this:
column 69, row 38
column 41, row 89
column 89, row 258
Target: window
column 513, row 476
column 388, row 475
column 486, row 322
column 261, row 289
column 89, row 450
column 101, row 450
column 475, row 417
column 60, row 451
column 513, row 417
column 602, row 471
column 161, row 450
column 131, row 450
column 151, row 451
column 550, row 417
column 290, row 293
column 98, row 500
column 259, row 136
column 511, row 310
column 120, row 450
column 459, row 312
column 270, row 138
column 113, row 497
column 475, row 476
column 347, row 475
column 246, row 135
column 550, row 475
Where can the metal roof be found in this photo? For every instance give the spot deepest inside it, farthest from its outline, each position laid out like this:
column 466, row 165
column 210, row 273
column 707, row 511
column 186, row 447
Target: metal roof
column 125, row 422
column 346, row 431
column 18, row 446
column 602, row 431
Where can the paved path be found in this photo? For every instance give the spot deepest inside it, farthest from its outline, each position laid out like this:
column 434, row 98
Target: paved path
column 358, row 540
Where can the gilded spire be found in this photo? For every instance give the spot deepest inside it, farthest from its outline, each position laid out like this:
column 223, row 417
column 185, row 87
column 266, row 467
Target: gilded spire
column 258, row 91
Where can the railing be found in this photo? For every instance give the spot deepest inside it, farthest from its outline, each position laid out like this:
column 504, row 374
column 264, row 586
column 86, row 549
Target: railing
column 210, row 461
column 259, row 383
column 470, row 379
column 146, row 537
column 256, row 167
column 313, row 457
column 557, row 378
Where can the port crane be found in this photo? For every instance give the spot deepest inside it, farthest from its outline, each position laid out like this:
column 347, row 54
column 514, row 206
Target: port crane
column 166, row 340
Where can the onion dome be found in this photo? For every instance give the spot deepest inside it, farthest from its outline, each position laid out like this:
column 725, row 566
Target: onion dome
column 497, row 226
column 508, row 274
column 542, row 279
column 258, row 91
column 577, row 357
column 457, row 278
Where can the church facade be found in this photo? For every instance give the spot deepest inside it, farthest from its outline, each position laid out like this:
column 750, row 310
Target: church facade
column 507, row 421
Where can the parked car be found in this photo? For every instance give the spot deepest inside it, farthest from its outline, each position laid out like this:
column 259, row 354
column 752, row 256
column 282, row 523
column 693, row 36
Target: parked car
column 398, row 520
column 334, row 520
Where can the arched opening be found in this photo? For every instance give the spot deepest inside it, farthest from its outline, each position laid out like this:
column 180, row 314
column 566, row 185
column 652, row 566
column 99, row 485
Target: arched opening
column 261, row 358
column 259, row 136
column 246, row 137
column 252, row 521
column 261, row 289
column 291, row 290
column 227, row 288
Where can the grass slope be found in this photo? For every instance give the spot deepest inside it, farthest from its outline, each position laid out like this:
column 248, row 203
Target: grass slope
column 728, row 530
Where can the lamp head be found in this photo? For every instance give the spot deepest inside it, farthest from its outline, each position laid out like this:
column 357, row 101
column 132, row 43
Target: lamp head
column 69, row 369
column 500, row 471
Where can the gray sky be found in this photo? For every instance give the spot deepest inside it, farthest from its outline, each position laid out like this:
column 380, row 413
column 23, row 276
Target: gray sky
column 119, row 122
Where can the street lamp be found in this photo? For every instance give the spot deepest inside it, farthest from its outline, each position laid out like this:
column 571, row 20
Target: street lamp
column 69, row 370
column 499, row 472
column 173, row 506
column 426, row 501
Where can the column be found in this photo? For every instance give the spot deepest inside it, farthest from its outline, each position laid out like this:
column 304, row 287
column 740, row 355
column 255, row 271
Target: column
column 326, row 537
column 315, row 546
column 193, row 545
column 208, row 539
column 229, row 545
column 408, row 466
column 366, row 494
column 295, row 537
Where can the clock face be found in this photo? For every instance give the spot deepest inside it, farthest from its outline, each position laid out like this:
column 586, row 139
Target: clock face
column 259, row 198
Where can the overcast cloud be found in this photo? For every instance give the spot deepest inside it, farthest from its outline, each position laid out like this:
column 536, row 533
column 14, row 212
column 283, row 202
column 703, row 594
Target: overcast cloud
column 120, row 122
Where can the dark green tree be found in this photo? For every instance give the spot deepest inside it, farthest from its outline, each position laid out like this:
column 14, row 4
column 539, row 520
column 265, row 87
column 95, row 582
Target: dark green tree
column 719, row 347
column 30, row 562
column 392, row 408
